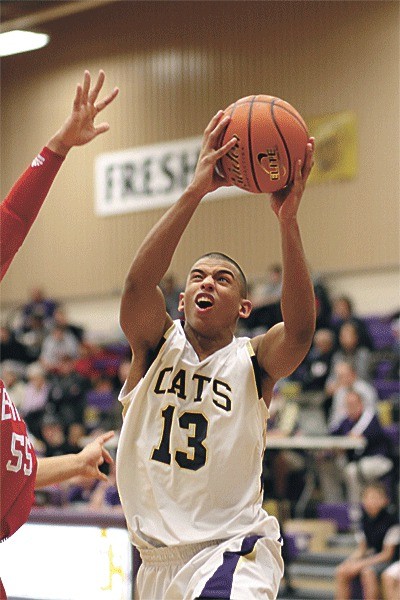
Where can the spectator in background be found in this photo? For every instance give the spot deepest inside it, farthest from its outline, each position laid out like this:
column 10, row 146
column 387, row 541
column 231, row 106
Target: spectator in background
column 323, row 304
column 343, row 312
column 53, row 437
column 11, row 348
column 57, row 344
column 12, row 376
column 171, row 292
column 314, row 370
column 369, row 463
column 266, row 302
column 344, row 377
column 36, row 398
column 60, row 318
column 40, row 306
column 350, row 348
column 378, row 545
column 34, row 337
column 67, row 392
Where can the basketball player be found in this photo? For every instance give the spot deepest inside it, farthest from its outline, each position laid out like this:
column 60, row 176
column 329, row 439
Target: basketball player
column 195, row 405
column 20, row 471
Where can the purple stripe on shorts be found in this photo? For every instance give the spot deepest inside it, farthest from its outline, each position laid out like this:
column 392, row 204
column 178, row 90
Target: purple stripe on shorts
column 220, row 583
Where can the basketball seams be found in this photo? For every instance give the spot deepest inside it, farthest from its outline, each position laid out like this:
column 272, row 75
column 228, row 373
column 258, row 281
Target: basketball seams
column 250, row 149
column 289, row 158
column 273, row 101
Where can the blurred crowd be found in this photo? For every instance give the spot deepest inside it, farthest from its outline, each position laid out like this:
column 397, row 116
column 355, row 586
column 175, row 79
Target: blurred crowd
column 65, row 383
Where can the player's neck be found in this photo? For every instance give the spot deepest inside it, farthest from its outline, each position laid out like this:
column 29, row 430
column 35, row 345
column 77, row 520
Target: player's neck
column 203, row 344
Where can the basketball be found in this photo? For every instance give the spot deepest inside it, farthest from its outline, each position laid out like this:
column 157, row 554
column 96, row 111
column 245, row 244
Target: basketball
column 271, row 137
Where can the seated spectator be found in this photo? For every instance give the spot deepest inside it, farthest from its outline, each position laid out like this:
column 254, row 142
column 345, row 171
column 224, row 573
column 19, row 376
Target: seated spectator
column 378, row 546
column 171, row 292
column 371, row 462
column 67, row 395
column 317, row 364
column 283, row 470
column 60, row 318
column 36, row 398
column 391, row 581
column 323, row 304
column 12, row 376
column 11, row 348
column 350, row 348
column 94, row 360
column 34, row 337
column 344, row 377
column 39, row 306
column 343, row 312
column 76, row 433
column 53, row 437
column 57, row 344
column 266, row 301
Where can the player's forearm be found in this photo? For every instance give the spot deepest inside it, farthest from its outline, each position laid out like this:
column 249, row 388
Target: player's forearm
column 154, row 256
column 22, row 204
column 56, row 469
column 298, row 300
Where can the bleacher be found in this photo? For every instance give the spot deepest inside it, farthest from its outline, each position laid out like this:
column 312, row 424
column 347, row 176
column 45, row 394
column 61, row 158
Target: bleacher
column 314, row 547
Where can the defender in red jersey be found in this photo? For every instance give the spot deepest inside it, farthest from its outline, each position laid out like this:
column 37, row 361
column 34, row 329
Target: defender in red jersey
column 21, row 473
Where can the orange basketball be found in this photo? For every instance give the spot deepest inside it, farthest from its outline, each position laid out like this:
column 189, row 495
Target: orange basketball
column 271, row 137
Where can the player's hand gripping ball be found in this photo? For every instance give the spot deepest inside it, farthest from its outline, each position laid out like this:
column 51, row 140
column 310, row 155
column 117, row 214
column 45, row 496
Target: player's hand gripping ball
column 271, row 137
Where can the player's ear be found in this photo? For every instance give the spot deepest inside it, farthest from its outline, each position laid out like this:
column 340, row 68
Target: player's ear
column 181, row 301
column 245, row 308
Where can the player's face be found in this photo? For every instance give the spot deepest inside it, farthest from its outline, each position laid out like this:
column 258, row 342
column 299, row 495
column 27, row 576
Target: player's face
column 213, row 295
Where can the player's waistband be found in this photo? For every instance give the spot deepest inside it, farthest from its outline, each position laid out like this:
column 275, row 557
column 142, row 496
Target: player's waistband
column 174, row 554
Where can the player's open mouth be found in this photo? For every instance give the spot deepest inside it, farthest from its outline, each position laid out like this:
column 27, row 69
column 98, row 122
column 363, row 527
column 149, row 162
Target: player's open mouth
column 204, row 302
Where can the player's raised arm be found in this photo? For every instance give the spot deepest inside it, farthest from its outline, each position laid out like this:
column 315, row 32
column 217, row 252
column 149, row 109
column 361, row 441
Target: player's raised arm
column 284, row 346
column 143, row 315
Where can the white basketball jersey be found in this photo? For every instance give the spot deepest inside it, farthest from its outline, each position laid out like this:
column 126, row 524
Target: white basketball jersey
column 189, row 459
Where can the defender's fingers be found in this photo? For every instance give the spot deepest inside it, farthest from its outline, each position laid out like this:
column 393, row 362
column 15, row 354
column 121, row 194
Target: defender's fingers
column 107, row 100
column 99, row 84
column 78, row 97
column 86, row 87
column 107, row 457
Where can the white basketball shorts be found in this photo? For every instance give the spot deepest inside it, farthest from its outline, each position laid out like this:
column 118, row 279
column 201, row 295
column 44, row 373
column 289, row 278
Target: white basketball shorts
column 247, row 568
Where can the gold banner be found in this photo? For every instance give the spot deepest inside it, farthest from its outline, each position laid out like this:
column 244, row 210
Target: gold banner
column 336, row 148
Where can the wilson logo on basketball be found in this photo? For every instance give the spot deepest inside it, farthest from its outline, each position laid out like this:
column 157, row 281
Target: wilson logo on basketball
column 269, row 162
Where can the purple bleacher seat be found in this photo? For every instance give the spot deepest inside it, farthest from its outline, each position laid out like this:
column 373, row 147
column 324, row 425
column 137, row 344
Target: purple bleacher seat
column 380, row 330
column 383, row 369
column 103, row 401
column 393, row 433
column 336, row 511
column 295, row 543
column 386, row 388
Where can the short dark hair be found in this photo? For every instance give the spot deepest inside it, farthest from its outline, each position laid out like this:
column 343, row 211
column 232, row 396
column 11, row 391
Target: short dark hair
column 225, row 257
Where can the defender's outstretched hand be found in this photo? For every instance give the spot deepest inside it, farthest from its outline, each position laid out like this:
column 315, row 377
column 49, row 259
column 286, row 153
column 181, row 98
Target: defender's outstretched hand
column 85, row 464
column 79, row 128
column 206, row 179
column 93, row 456
column 285, row 203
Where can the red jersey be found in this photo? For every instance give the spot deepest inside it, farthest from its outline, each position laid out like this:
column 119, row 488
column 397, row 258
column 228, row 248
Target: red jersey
column 17, row 458
column 20, row 208
column 18, row 466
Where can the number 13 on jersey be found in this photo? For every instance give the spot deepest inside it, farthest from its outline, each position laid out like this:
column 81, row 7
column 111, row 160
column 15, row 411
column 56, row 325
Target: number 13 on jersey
column 196, row 423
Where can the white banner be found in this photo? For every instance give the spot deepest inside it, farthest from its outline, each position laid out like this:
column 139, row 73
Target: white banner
column 147, row 177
